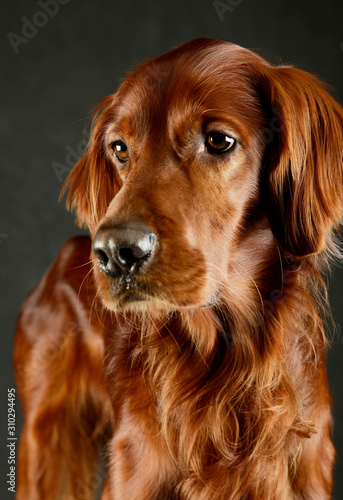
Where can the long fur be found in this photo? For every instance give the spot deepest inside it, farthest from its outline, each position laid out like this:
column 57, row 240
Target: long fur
column 204, row 399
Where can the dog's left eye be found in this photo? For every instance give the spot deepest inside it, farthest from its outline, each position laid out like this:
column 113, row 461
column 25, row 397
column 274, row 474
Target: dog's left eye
column 218, row 143
column 120, row 150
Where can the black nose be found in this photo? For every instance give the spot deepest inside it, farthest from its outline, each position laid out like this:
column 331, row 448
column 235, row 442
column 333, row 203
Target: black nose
column 123, row 249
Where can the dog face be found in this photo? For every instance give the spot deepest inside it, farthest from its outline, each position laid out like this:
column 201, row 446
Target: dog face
column 188, row 173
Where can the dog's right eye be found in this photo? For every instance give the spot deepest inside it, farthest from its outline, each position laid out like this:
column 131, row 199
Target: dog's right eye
column 121, row 151
column 219, row 143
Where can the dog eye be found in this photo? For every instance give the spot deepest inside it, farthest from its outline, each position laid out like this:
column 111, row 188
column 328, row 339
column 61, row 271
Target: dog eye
column 120, row 150
column 218, row 143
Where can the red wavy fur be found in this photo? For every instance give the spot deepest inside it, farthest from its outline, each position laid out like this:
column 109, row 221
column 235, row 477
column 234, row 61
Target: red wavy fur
column 190, row 336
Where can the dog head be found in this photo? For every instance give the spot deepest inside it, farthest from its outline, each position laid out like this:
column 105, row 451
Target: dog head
column 203, row 162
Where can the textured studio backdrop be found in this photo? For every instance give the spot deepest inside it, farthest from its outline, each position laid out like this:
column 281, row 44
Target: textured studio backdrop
column 58, row 58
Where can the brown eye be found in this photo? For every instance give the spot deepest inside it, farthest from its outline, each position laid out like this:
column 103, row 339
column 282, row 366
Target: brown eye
column 120, row 150
column 218, row 143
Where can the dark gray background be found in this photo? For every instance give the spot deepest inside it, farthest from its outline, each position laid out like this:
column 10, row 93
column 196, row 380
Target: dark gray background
column 80, row 55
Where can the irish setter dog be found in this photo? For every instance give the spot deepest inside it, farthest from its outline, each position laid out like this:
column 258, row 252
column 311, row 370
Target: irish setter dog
column 185, row 339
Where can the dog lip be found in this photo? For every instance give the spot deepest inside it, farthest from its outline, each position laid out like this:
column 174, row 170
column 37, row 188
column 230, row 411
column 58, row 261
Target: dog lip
column 126, row 288
column 124, row 283
column 135, row 297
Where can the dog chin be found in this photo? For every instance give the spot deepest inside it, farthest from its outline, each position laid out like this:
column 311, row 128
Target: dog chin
column 134, row 300
column 138, row 303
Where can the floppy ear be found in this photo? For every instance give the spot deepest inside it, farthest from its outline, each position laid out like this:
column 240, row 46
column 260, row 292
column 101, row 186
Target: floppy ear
column 93, row 182
column 302, row 184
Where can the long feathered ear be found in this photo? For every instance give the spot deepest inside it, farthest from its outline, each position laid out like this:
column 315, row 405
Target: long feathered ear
column 93, row 181
column 302, row 184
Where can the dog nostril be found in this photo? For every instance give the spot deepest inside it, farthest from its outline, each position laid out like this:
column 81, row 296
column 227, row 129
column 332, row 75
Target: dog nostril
column 131, row 257
column 126, row 257
column 101, row 256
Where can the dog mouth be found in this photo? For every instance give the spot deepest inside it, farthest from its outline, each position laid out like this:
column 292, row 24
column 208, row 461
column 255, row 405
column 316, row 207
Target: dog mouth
column 126, row 290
